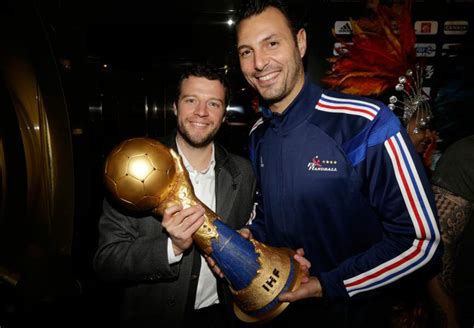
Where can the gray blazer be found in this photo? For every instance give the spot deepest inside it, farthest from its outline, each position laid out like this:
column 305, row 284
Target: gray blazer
column 132, row 250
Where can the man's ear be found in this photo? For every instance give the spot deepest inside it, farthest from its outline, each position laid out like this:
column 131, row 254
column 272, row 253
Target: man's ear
column 301, row 41
column 175, row 110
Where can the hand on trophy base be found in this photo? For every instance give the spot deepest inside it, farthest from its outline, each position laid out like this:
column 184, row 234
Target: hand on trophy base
column 298, row 273
column 279, row 273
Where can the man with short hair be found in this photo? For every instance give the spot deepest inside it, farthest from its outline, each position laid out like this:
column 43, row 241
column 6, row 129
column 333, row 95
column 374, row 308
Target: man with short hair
column 337, row 177
column 168, row 284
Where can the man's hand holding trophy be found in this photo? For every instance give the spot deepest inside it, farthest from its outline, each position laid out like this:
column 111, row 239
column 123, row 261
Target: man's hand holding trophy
column 144, row 175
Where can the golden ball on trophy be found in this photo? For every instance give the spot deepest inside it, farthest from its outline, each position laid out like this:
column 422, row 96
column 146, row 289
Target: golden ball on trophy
column 139, row 173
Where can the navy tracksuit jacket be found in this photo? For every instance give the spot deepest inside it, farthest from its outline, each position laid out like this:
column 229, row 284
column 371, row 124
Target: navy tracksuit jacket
column 339, row 177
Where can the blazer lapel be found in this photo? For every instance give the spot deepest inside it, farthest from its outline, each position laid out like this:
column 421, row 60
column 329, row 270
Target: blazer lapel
column 227, row 184
column 226, row 191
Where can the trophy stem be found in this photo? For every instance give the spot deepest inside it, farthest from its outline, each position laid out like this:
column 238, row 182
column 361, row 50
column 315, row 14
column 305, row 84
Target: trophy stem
column 256, row 273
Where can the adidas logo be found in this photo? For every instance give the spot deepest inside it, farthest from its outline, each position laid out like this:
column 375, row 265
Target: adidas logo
column 343, row 27
column 346, row 28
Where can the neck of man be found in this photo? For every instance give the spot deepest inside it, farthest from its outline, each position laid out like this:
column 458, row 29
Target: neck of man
column 199, row 158
column 280, row 107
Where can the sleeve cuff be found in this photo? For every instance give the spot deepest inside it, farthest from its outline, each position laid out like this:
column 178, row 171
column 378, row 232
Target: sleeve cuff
column 333, row 288
column 172, row 259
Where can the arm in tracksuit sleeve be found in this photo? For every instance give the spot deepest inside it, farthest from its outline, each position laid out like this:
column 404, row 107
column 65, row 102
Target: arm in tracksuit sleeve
column 398, row 190
column 129, row 250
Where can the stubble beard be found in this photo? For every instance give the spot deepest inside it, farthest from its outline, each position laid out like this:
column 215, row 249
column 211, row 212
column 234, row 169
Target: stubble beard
column 281, row 91
column 196, row 142
column 274, row 96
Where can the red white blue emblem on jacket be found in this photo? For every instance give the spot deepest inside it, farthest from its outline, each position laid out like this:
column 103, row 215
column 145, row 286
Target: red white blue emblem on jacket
column 316, row 164
column 347, row 106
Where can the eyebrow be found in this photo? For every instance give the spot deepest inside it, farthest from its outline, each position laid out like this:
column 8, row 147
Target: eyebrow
column 196, row 96
column 271, row 36
column 217, row 99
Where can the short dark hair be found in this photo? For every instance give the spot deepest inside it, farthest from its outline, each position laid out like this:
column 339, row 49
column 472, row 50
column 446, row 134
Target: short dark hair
column 207, row 71
column 251, row 8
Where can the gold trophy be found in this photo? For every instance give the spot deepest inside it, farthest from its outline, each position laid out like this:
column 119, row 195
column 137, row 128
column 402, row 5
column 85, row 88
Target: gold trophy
column 144, row 175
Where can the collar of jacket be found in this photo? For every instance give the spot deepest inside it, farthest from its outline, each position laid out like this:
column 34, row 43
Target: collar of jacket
column 297, row 112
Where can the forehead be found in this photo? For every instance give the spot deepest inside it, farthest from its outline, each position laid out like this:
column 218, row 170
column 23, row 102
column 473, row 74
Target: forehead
column 270, row 22
column 201, row 86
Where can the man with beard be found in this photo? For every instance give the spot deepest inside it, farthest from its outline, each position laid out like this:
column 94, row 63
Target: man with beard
column 337, row 177
column 167, row 281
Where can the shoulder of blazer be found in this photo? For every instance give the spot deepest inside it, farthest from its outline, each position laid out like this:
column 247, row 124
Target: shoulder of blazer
column 227, row 161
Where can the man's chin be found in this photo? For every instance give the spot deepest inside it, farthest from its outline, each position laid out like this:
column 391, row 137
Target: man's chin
column 199, row 142
column 271, row 96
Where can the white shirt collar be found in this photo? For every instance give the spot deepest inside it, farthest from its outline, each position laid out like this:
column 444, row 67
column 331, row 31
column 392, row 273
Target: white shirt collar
column 190, row 168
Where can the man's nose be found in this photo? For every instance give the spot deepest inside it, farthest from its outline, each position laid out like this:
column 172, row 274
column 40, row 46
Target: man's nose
column 201, row 109
column 260, row 60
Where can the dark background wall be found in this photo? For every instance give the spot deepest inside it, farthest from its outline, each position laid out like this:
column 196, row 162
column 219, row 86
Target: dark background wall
column 117, row 64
